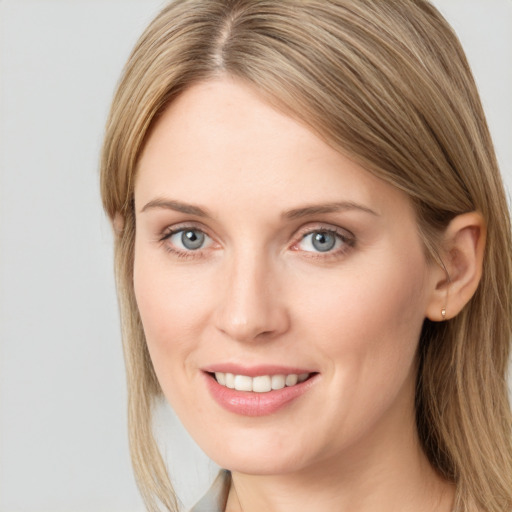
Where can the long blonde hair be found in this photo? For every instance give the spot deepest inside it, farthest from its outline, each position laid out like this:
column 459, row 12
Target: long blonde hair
column 387, row 83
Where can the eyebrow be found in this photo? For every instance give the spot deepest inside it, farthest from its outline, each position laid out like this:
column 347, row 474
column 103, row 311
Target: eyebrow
column 296, row 213
column 169, row 204
column 317, row 209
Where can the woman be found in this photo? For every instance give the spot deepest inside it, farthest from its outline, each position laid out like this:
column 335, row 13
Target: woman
column 313, row 256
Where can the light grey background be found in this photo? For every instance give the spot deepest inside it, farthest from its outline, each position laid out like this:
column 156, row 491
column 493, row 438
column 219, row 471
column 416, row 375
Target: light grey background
column 63, row 443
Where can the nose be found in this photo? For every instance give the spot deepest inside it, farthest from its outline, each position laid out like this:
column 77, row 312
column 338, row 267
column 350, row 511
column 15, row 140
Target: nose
column 251, row 304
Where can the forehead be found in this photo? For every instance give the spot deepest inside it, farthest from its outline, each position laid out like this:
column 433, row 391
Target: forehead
column 221, row 144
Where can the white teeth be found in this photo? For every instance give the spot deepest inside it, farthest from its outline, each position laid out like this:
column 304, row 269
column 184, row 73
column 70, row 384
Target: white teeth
column 230, row 381
column 243, row 383
column 278, row 381
column 261, row 383
column 292, row 379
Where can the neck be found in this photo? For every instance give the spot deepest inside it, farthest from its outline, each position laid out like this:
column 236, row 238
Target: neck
column 389, row 476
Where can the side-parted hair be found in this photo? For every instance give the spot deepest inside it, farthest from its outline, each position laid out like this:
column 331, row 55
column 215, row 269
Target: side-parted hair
column 387, row 83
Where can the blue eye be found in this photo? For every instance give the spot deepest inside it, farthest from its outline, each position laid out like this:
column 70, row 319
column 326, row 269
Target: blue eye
column 321, row 241
column 189, row 239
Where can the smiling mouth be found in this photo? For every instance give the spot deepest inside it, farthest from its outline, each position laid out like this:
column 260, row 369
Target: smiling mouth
column 260, row 383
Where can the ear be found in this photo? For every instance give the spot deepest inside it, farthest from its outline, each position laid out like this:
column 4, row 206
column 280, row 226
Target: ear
column 462, row 254
column 118, row 223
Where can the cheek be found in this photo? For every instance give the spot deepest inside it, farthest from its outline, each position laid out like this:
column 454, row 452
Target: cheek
column 170, row 304
column 355, row 303
column 368, row 323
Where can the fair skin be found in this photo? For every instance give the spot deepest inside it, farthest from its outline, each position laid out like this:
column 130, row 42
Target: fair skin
column 260, row 250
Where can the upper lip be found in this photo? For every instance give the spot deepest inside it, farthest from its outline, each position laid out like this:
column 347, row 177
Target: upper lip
column 256, row 370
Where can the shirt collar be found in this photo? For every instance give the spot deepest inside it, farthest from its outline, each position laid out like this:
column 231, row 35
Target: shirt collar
column 217, row 496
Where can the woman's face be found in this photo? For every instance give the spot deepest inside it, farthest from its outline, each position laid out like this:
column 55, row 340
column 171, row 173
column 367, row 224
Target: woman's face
column 266, row 256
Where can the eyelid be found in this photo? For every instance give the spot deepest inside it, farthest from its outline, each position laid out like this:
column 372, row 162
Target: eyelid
column 344, row 234
column 331, row 228
column 183, row 226
column 169, row 231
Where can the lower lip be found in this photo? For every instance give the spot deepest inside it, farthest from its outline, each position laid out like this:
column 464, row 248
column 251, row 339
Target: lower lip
column 247, row 403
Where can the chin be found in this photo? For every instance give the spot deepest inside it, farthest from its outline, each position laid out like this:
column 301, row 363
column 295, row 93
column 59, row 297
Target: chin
column 257, row 453
column 261, row 464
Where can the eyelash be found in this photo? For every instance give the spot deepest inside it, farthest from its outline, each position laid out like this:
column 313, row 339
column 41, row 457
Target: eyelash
column 188, row 254
column 346, row 238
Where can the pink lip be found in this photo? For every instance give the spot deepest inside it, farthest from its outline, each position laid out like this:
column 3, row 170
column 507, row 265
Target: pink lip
column 254, row 371
column 257, row 404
